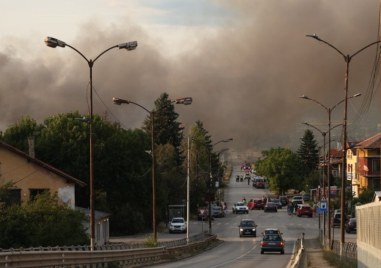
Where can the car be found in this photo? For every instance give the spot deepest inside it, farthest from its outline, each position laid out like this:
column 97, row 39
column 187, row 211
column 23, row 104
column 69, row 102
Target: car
column 218, row 212
column 306, row 197
column 258, row 204
column 270, row 206
column 277, row 203
column 304, row 210
column 247, row 227
column 284, row 200
column 240, row 207
column 259, row 183
column 350, row 226
column 272, row 243
column 268, row 231
column 297, row 198
column 336, row 219
column 178, row 225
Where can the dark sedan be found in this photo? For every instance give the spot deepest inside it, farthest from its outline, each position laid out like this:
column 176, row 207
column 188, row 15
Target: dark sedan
column 247, row 227
column 270, row 206
column 272, row 243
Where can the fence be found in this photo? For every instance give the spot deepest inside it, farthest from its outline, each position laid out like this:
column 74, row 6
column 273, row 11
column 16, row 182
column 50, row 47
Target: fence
column 369, row 235
column 120, row 254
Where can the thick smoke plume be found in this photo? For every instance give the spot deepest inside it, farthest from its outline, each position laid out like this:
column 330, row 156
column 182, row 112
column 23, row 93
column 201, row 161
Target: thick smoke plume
column 245, row 77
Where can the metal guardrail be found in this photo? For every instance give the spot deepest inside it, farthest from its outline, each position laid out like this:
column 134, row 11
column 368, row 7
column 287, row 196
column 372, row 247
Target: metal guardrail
column 120, row 254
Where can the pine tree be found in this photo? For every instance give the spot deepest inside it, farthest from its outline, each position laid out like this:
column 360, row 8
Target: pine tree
column 308, row 153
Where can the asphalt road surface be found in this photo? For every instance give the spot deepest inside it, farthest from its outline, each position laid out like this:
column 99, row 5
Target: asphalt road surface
column 245, row 252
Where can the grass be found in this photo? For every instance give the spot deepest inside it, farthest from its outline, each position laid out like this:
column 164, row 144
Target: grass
column 337, row 262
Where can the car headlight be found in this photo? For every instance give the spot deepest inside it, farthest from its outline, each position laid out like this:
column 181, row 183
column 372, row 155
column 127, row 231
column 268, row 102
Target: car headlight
column 241, row 229
column 253, row 230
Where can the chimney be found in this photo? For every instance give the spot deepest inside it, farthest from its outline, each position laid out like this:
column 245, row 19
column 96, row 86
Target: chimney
column 31, row 146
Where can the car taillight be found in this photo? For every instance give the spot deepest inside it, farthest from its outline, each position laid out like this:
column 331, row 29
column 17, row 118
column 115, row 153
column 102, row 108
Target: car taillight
column 280, row 243
column 263, row 243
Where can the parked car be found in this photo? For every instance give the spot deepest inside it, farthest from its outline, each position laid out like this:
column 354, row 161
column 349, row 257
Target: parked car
column 297, row 198
column 272, row 242
column 178, row 225
column 304, row 210
column 284, row 200
column 247, row 227
column 336, row 219
column 306, row 197
column 270, row 206
column 277, row 203
column 218, row 212
column 240, row 207
column 350, row 226
column 258, row 204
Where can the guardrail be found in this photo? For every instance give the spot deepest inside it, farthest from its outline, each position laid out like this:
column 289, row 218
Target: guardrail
column 297, row 253
column 70, row 256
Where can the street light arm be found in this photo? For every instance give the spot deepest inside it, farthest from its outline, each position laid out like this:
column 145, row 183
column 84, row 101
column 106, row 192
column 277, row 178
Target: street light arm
column 371, row 44
column 227, row 140
column 325, row 42
column 321, row 132
column 308, row 98
column 119, row 101
column 353, row 96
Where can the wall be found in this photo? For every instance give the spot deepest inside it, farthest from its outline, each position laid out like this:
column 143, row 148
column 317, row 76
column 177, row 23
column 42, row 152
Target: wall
column 368, row 235
column 27, row 175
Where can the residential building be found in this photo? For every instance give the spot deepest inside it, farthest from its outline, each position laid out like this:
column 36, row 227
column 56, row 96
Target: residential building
column 368, row 163
column 30, row 176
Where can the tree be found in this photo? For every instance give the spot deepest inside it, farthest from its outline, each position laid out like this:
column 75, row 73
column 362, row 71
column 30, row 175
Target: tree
column 166, row 128
column 42, row 222
column 121, row 164
column 17, row 135
column 281, row 167
column 308, row 153
column 200, row 150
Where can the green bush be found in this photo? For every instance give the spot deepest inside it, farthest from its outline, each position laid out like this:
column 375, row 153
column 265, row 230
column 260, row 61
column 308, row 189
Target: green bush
column 42, row 222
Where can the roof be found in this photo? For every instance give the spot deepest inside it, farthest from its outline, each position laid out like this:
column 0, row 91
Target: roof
column 98, row 215
column 373, row 142
column 42, row 164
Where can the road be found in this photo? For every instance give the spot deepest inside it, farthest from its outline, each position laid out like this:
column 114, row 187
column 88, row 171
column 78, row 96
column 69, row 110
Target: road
column 244, row 252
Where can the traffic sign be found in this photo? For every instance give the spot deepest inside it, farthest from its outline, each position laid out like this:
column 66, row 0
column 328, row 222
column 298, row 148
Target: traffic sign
column 323, row 206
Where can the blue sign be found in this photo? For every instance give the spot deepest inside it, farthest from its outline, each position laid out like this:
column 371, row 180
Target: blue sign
column 323, row 206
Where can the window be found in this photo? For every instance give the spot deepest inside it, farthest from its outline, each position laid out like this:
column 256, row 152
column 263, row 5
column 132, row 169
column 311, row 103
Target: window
column 34, row 192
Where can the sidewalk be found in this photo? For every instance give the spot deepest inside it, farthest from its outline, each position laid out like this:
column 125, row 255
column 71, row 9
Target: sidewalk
column 314, row 253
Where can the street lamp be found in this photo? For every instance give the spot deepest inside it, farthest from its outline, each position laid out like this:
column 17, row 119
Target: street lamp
column 54, row 42
column 347, row 59
column 184, row 101
column 211, row 177
column 329, row 111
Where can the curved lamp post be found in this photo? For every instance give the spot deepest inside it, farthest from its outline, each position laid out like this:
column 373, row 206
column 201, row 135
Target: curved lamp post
column 54, row 42
column 347, row 59
column 324, row 133
column 329, row 111
column 184, row 101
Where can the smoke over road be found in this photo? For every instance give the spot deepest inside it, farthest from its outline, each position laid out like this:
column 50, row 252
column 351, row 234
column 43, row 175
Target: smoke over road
column 245, row 76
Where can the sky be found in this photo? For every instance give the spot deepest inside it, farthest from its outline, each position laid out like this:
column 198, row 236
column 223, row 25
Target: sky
column 244, row 62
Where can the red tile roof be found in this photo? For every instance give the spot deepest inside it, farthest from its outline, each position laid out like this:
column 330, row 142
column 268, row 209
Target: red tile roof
column 373, row 142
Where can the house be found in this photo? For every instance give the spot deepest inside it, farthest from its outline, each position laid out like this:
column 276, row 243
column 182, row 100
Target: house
column 30, row 176
column 368, row 163
column 352, row 175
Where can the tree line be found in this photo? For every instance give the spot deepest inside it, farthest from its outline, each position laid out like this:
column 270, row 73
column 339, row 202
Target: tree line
column 122, row 162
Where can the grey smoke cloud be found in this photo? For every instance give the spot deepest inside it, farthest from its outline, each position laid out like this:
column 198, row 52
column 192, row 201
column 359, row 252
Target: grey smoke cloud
column 245, row 78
